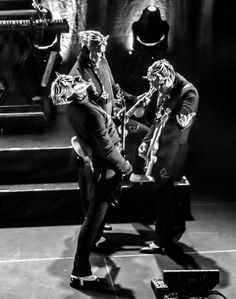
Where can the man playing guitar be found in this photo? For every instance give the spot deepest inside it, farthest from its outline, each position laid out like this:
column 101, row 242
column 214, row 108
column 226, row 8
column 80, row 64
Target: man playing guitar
column 179, row 99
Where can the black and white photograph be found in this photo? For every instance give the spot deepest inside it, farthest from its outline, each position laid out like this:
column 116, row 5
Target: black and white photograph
column 117, row 149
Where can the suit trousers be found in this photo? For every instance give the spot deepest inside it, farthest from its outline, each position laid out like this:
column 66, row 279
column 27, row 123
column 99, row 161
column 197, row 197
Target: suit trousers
column 92, row 227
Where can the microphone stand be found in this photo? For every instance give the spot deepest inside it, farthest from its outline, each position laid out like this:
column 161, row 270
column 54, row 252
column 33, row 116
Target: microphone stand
column 123, row 131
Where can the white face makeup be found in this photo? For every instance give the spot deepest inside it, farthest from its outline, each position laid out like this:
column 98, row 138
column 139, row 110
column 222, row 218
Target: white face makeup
column 96, row 53
column 162, row 84
column 80, row 87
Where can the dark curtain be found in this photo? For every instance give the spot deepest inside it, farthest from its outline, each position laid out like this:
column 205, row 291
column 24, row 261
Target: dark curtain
column 201, row 46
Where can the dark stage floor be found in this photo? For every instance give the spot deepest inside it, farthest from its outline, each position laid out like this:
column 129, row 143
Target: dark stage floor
column 36, row 262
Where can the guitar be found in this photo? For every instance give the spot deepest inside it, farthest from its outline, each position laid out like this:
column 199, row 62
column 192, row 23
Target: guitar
column 81, row 153
column 151, row 157
column 121, row 129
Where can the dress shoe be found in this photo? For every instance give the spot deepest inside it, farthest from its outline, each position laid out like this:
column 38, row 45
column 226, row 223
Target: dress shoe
column 107, row 227
column 152, row 248
column 96, row 284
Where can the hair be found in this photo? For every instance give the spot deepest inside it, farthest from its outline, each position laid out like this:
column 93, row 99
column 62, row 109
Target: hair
column 89, row 39
column 62, row 89
column 92, row 38
column 84, row 59
column 163, row 68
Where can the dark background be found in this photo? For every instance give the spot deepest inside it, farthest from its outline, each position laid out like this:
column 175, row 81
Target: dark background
column 201, row 47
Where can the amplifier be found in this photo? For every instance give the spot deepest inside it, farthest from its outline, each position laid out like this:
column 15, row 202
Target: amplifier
column 159, row 288
column 185, row 283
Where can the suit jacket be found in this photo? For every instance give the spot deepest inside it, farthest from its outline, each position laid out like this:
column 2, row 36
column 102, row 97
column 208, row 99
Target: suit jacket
column 102, row 81
column 183, row 99
column 97, row 130
column 173, row 146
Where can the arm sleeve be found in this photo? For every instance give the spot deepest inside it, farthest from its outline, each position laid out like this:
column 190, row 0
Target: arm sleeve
column 190, row 99
column 104, row 145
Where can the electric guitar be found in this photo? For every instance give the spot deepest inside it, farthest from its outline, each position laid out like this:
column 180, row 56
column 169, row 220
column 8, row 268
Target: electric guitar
column 151, row 157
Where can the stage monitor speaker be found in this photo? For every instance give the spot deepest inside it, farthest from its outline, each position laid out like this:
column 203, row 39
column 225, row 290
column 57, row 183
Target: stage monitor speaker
column 195, row 283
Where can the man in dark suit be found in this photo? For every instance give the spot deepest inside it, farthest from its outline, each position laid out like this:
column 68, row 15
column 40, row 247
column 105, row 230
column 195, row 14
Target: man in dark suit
column 97, row 133
column 92, row 65
column 174, row 105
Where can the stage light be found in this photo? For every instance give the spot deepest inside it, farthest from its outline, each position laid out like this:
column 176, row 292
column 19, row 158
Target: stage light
column 152, row 8
column 189, row 283
column 130, row 52
column 150, row 32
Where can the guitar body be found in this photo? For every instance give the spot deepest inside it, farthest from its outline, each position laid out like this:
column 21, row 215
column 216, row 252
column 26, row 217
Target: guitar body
column 150, row 165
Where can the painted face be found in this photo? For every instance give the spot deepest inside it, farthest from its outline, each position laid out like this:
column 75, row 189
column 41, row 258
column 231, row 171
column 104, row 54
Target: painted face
column 161, row 83
column 96, row 53
column 79, row 87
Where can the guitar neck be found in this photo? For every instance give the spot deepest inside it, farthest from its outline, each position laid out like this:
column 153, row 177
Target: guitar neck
column 159, row 126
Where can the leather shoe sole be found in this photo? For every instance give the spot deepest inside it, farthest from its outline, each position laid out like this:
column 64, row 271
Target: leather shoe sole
column 152, row 250
column 107, row 227
column 97, row 284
